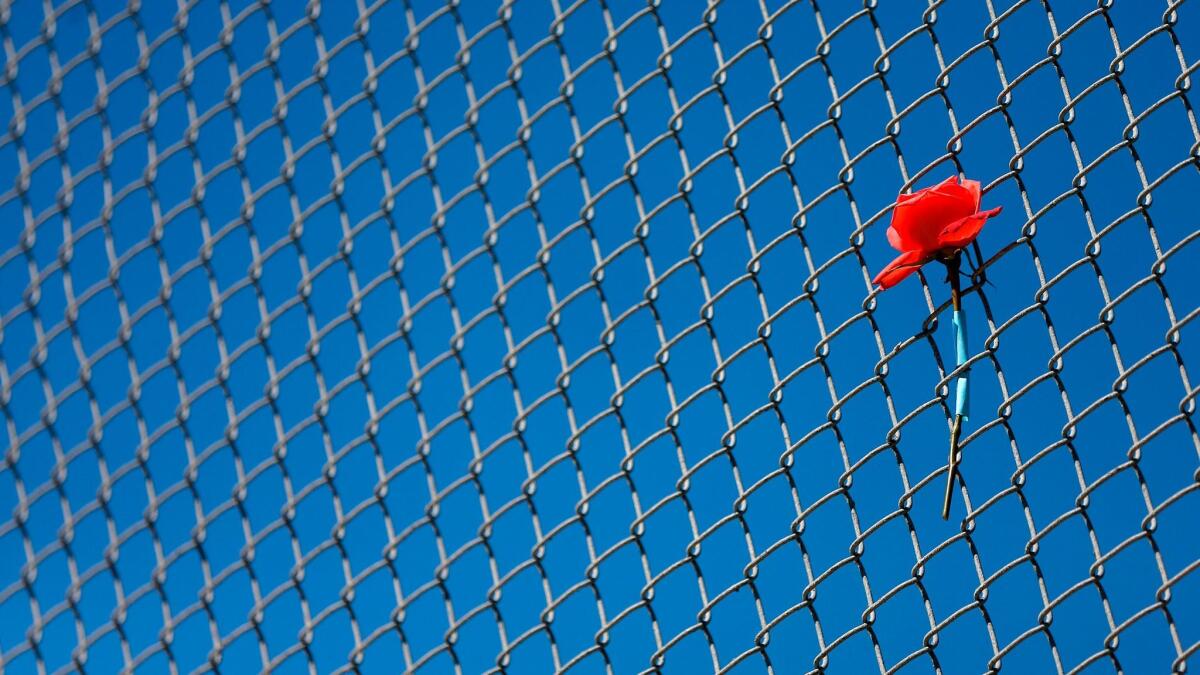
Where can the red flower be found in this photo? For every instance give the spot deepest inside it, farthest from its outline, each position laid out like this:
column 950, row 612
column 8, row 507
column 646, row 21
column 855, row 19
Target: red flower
column 932, row 223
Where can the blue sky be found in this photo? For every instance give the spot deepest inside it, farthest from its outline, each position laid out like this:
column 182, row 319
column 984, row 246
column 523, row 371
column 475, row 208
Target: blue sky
column 413, row 336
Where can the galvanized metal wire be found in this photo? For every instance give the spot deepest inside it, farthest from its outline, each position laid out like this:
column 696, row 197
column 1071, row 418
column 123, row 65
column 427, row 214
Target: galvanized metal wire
column 321, row 350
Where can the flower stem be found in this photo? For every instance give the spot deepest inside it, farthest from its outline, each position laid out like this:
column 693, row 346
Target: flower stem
column 960, row 404
column 955, row 430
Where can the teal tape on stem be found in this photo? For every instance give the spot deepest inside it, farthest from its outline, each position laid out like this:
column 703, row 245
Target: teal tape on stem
column 961, row 402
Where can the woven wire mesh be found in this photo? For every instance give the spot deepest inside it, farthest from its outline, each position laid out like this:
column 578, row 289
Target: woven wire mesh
column 539, row 336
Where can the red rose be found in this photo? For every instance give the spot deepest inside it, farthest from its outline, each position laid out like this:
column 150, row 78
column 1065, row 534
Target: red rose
column 931, row 223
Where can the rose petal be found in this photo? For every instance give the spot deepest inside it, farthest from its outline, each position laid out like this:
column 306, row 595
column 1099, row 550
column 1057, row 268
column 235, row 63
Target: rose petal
column 964, row 230
column 951, row 188
column 894, row 239
column 896, row 271
column 948, row 184
column 972, row 187
column 921, row 217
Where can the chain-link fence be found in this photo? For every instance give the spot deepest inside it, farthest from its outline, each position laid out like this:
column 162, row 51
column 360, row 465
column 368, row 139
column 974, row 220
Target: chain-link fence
column 539, row 336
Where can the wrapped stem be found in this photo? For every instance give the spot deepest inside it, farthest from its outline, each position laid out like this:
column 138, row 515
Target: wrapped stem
column 961, row 400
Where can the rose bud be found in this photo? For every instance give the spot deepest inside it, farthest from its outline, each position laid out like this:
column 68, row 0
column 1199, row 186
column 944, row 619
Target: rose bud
column 930, row 224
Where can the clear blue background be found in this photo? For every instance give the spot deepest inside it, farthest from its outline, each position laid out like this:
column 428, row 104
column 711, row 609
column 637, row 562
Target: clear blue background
column 366, row 335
